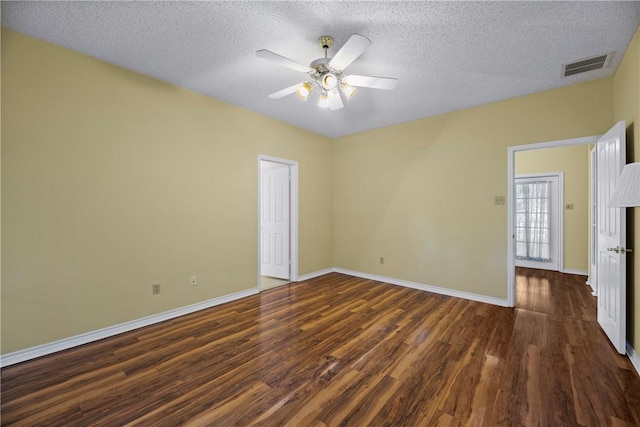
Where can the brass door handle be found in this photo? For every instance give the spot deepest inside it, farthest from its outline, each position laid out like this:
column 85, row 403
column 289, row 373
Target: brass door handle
column 620, row 250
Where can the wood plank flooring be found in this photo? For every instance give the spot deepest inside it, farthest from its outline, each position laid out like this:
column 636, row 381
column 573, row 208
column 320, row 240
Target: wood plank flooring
column 344, row 351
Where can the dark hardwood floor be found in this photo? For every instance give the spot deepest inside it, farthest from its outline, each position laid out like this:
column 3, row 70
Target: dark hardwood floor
column 339, row 350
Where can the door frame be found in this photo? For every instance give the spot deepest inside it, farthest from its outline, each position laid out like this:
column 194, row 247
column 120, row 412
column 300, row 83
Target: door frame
column 293, row 215
column 511, row 159
column 559, row 211
column 592, row 279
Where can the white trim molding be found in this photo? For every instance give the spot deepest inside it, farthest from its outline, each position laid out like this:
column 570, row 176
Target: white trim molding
column 67, row 343
column 428, row 288
column 634, row 357
column 407, row 284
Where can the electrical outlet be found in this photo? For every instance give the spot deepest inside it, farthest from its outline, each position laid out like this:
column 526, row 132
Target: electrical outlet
column 498, row 200
column 193, row 280
column 155, row 288
column 381, row 260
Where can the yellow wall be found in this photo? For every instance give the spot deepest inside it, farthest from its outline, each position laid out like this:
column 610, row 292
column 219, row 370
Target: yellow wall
column 574, row 162
column 626, row 106
column 112, row 181
column 421, row 194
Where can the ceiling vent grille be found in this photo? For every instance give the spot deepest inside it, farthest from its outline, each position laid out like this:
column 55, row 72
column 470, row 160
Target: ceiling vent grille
column 587, row 64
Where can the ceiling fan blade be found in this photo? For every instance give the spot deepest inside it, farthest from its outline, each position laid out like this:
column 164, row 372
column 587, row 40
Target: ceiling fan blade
column 279, row 59
column 284, row 92
column 348, row 53
column 387, row 83
column 335, row 101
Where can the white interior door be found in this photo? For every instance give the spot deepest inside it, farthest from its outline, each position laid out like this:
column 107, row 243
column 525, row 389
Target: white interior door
column 538, row 221
column 274, row 220
column 611, row 265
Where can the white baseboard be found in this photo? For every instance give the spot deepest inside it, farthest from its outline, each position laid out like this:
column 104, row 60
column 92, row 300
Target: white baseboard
column 428, row 288
column 634, row 357
column 578, row 272
column 314, row 274
column 66, row 343
column 408, row 284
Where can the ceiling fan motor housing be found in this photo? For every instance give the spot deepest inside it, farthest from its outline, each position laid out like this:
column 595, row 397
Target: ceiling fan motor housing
column 324, row 76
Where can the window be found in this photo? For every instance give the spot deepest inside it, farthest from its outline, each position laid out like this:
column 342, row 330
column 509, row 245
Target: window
column 533, row 221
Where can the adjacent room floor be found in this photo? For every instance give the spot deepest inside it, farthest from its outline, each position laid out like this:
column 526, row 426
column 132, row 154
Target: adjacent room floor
column 340, row 350
column 267, row 282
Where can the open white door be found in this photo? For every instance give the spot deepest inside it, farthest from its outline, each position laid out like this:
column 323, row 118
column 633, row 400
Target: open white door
column 611, row 265
column 274, row 221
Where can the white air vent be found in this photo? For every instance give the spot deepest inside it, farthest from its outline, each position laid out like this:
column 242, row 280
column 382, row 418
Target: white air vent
column 588, row 64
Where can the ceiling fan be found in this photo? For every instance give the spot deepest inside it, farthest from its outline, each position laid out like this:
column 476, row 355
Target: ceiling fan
column 326, row 74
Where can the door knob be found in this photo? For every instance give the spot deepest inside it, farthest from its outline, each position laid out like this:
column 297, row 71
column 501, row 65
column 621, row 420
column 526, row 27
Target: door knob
column 620, row 250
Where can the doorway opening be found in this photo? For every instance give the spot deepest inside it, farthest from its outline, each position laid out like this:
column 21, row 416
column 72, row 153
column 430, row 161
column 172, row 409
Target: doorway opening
column 511, row 188
column 610, row 224
column 277, row 221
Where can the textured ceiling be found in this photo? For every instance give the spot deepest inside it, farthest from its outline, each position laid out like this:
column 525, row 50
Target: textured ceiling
column 446, row 55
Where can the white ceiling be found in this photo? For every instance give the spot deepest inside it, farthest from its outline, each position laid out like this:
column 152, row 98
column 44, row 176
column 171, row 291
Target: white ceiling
column 446, row 55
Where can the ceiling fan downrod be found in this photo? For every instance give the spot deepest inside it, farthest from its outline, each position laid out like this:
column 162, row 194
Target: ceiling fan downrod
column 326, row 42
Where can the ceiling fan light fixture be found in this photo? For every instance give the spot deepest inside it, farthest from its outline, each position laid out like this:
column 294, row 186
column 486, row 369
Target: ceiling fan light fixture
column 347, row 89
column 304, row 90
column 324, row 100
column 329, row 81
column 326, row 75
